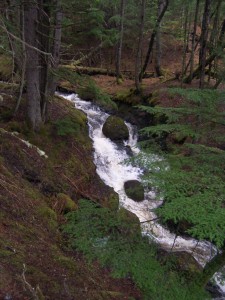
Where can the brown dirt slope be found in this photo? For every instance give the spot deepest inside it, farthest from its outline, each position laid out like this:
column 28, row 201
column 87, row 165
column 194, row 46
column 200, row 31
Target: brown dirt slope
column 35, row 262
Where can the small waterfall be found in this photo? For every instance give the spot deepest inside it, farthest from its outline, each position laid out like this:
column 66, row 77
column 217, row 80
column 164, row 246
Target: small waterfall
column 112, row 166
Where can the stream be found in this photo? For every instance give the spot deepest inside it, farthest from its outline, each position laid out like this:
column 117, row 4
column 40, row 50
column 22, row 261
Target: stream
column 110, row 158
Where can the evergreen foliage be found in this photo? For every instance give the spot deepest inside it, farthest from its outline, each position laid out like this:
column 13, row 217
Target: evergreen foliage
column 100, row 234
column 193, row 184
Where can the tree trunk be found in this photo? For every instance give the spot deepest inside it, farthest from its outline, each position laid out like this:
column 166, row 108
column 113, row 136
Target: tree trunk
column 151, row 42
column 120, row 42
column 23, row 64
column 214, row 37
column 215, row 54
column 32, row 65
column 186, row 35
column 139, row 49
column 203, row 44
column 43, row 38
column 158, row 43
column 51, row 82
column 193, row 40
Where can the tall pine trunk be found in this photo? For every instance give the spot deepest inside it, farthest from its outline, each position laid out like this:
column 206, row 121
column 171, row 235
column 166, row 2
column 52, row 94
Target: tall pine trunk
column 120, row 42
column 32, row 65
column 44, row 45
column 158, row 45
column 186, row 38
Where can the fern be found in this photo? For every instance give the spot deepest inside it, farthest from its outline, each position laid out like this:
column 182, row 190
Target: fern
column 98, row 233
column 193, row 184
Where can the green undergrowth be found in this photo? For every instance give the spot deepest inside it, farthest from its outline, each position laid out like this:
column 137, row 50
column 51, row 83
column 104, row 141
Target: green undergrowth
column 129, row 97
column 190, row 176
column 100, row 234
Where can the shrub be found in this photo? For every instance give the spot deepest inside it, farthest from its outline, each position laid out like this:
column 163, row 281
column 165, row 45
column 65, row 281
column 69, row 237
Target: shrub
column 96, row 231
column 66, row 126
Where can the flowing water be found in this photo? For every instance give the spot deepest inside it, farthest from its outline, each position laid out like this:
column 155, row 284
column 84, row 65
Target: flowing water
column 112, row 167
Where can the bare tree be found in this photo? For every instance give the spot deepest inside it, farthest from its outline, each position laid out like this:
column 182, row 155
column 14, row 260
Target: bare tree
column 152, row 39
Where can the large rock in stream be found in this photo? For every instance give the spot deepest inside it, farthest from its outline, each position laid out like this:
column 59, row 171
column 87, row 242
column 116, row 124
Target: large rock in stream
column 134, row 190
column 115, row 129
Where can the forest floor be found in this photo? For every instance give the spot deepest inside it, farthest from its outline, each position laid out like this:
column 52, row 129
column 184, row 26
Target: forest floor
column 35, row 193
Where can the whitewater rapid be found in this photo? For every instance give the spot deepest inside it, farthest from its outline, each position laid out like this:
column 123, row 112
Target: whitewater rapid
column 114, row 168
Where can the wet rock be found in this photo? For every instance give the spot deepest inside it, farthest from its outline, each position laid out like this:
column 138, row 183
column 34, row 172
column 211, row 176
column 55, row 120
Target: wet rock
column 215, row 291
column 134, row 190
column 182, row 261
column 186, row 262
column 115, row 129
column 130, row 223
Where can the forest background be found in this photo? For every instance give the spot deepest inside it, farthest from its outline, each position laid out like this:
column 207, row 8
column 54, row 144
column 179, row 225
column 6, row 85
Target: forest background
column 167, row 58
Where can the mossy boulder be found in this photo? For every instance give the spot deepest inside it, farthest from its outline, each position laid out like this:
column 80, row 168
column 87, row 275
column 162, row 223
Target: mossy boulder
column 66, row 202
column 130, row 223
column 115, row 129
column 186, row 262
column 134, row 190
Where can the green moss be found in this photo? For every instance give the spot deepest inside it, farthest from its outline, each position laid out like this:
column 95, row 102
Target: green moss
column 134, row 190
column 4, row 253
column 66, row 126
column 13, row 87
column 67, row 202
column 128, row 96
column 49, row 216
column 113, row 201
column 5, row 67
column 91, row 92
column 115, row 128
column 130, row 222
column 66, row 262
